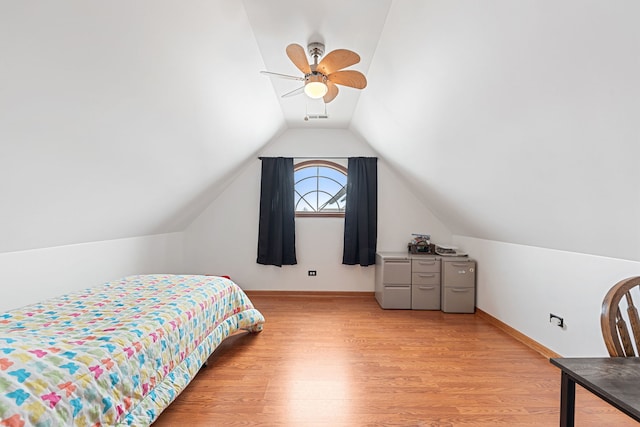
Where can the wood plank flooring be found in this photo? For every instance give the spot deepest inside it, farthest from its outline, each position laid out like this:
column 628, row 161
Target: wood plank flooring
column 343, row 361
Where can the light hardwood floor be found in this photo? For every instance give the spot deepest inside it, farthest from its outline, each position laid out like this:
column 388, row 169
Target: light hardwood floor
column 343, row 361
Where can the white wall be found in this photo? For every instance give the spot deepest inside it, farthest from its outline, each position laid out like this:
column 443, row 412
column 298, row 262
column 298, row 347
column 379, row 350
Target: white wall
column 520, row 285
column 223, row 240
column 30, row 276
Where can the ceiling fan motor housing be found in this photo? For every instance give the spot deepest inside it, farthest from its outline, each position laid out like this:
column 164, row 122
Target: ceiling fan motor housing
column 315, row 76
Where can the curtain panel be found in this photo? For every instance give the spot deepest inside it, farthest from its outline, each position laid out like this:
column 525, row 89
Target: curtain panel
column 361, row 212
column 276, row 230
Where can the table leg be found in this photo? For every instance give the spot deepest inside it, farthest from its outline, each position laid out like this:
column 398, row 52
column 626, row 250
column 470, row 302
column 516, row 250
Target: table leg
column 567, row 401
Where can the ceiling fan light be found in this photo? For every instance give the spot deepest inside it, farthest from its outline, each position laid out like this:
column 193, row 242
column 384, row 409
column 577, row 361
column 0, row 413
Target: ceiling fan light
column 315, row 90
column 315, row 87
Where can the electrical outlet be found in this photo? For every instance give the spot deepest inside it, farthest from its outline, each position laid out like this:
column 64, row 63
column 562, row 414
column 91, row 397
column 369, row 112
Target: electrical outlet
column 558, row 320
column 312, row 272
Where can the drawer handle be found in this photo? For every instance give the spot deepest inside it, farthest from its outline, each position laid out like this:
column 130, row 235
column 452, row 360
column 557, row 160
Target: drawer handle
column 397, row 261
column 426, row 263
column 460, row 290
column 426, row 288
column 458, row 264
column 426, row 275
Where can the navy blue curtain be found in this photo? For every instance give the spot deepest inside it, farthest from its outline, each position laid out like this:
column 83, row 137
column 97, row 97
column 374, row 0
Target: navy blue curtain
column 276, row 231
column 361, row 212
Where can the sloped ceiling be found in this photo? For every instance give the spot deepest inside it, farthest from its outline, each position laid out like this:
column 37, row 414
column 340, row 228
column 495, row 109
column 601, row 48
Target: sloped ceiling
column 121, row 118
column 513, row 121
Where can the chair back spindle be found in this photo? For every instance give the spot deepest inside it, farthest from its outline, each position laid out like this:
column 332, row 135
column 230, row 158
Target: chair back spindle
column 623, row 333
column 632, row 312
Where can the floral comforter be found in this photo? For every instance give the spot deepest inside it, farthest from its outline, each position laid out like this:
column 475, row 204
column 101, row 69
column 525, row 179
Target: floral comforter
column 116, row 354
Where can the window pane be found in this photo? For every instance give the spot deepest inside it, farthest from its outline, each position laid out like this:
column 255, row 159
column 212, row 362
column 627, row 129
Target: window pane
column 304, row 173
column 329, row 185
column 319, row 188
column 334, row 174
column 304, row 206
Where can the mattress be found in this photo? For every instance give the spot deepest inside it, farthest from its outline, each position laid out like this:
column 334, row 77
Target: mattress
column 116, row 354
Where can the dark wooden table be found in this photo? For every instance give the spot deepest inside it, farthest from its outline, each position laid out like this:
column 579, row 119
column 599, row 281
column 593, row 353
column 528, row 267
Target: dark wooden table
column 614, row 379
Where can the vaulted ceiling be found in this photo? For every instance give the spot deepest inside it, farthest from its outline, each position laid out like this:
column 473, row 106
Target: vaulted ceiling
column 513, row 121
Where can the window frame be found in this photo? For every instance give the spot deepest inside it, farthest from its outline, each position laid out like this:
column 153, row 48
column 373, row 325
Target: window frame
column 319, row 163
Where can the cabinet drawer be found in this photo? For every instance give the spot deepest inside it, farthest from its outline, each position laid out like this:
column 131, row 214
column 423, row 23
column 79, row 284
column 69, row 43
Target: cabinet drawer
column 396, row 272
column 425, row 297
column 425, row 278
column 398, row 297
column 427, row 265
column 459, row 273
column 458, row 300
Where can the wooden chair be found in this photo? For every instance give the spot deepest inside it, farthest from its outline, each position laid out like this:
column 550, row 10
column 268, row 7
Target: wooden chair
column 618, row 338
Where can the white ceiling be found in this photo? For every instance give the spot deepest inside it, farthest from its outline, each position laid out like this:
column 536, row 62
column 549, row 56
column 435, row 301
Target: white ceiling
column 355, row 25
column 512, row 121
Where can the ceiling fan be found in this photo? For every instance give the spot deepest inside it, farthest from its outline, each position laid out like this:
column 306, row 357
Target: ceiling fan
column 320, row 79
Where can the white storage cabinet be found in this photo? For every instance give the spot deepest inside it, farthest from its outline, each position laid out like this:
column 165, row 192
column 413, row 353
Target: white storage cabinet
column 425, row 282
column 458, row 285
column 393, row 280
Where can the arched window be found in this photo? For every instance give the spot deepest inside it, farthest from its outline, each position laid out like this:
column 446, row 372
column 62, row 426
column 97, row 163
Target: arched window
column 320, row 188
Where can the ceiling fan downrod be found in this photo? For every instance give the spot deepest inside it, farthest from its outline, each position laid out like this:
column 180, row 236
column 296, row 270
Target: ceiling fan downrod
column 316, row 50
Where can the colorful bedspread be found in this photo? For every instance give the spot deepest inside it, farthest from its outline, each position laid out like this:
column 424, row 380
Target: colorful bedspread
column 116, row 354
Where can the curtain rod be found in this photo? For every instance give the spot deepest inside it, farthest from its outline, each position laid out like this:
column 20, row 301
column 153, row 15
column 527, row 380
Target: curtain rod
column 317, row 157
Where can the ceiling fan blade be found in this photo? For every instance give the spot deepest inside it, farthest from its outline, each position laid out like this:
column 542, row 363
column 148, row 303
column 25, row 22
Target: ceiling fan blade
column 337, row 60
column 349, row 78
column 282, row 76
column 331, row 93
column 294, row 92
column 297, row 55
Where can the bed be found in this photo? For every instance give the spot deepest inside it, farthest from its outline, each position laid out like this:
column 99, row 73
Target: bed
column 116, row 354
